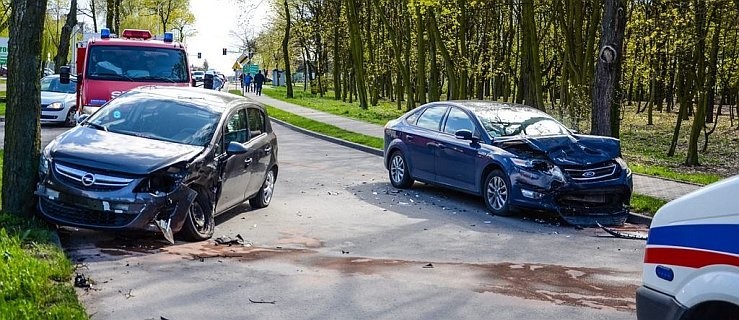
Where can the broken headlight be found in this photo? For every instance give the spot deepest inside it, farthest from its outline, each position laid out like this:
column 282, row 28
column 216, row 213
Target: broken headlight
column 622, row 163
column 162, row 181
column 44, row 164
column 539, row 165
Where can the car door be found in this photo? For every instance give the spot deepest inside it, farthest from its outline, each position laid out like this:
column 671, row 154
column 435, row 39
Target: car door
column 260, row 145
column 235, row 173
column 421, row 142
column 456, row 159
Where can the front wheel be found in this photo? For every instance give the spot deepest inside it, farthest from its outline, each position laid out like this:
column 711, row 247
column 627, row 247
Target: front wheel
column 400, row 176
column 497, row 193
column 199, row 224
column 70, row 120
column 264, row 196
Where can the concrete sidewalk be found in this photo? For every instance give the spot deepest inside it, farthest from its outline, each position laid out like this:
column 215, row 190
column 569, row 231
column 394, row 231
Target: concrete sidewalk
column 646, row 185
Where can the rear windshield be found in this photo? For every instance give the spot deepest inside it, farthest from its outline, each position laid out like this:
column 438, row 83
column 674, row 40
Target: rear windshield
column 52, row 84
column 137, row 64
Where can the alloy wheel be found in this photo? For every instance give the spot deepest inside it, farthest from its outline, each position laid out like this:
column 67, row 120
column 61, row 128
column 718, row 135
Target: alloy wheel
column 397, row 169
column 497, row 193
column 269, row 186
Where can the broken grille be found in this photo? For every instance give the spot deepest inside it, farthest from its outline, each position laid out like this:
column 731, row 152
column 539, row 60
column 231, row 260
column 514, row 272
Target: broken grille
column 90, row 180
column 593, row 173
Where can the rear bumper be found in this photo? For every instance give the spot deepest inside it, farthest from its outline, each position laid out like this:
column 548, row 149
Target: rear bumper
column 654, row 305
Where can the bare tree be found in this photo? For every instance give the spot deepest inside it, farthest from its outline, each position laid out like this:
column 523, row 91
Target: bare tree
column 605, row 115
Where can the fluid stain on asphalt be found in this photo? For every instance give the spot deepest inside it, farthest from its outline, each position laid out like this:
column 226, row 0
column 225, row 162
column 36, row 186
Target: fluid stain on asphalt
column 302, row 240
column 582, row 287
column 207, row 250
column 126, row 246
column 587, row 287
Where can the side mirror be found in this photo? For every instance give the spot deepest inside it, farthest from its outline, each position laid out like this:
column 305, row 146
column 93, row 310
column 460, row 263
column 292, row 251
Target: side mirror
column 81, row 117
column 236, row 148
column 208, row 81
column 465, row 134
column 64, row 75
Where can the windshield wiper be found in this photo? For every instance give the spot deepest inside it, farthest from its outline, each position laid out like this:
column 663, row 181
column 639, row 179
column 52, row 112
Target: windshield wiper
column 98, row 126
column 155, row 79
column 111, row 76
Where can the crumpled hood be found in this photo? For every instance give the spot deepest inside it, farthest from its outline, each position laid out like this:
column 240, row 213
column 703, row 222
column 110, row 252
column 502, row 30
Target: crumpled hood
column 576, row 149
column 48, row 97
column 118, row 152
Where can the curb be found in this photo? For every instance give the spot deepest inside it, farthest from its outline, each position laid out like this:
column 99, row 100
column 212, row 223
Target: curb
column 634, row 218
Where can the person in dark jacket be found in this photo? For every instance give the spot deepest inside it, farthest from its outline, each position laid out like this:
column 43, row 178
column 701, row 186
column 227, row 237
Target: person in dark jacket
column 258, row 81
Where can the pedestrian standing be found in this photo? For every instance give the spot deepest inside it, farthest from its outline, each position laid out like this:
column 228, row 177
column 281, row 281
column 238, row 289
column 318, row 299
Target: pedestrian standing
column 258, row 81
column 247, row 83
column 241, row 80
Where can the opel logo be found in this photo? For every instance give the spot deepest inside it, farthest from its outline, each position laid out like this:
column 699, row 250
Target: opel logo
column 88, row 179
column 588, row 174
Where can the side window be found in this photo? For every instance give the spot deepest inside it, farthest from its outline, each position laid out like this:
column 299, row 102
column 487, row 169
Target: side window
column 431, row 118
column 236, row 127
column 413, row 117
column 458, row 120
column 255, row 118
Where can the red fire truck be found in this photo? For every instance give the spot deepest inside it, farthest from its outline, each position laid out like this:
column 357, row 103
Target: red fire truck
column 109, row 66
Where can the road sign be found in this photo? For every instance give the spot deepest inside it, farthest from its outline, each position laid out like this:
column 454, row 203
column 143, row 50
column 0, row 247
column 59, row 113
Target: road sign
column 251, row 68
column 3, row 51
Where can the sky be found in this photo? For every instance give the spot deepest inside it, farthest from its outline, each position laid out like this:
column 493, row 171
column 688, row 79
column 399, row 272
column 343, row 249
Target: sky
column 214, row 19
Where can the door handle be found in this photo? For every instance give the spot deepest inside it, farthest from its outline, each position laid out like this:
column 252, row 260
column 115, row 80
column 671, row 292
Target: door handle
column 268, row 148
column 247, row 162
column 409, row 137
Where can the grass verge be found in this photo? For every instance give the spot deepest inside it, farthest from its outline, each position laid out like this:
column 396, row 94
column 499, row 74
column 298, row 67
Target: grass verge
column 646, row 205
column 2, row 109
column 35, row 275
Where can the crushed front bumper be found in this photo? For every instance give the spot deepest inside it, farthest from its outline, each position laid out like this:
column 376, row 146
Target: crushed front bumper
column 113, row 211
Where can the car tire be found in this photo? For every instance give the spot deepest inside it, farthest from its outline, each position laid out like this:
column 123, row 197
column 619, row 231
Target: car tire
column 70, row 120
column 199, row 223
column 264, row 196
column 497, row 193
column 400, row 176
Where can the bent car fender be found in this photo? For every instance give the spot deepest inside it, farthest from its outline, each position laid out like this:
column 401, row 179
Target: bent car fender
column 182, row 201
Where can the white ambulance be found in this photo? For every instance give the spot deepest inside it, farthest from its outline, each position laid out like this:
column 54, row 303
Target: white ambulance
column 691, row 261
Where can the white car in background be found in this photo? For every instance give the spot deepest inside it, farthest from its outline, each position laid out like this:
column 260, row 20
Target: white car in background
column 58, row 101
column 198, row 75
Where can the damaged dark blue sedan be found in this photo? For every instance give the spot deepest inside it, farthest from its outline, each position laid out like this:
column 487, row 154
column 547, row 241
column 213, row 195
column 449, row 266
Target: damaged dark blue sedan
column 513, row 156
column 163, row 159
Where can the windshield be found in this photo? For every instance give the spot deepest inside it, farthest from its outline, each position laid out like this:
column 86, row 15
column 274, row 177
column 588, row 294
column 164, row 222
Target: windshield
column 52, row 84
column 138, row 64
column 506, row 122
column 154, row 117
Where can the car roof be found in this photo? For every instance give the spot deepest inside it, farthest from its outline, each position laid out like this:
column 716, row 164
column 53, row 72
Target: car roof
column 481, row 105
column 215, row 100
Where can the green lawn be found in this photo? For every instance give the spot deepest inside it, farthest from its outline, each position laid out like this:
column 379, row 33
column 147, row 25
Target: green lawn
column 35, row 276
column 2, row 109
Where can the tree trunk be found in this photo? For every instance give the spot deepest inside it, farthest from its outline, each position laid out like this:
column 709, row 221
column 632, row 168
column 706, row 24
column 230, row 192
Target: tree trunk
column 337, row 59
column 22, row 128
column 64, row 39
column 710, row 86
column 434, row 90
column 699, row 58
column 421, row 57
column 533, row 93
column 286, row 52
column 110, row 15
column 606, row 89
column 357, row 52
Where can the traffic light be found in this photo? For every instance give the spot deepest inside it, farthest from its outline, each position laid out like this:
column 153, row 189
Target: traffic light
column 200, row 55
column 224, row 51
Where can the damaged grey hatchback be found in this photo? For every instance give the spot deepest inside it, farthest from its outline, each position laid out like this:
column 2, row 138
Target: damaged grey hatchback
column 161, row 159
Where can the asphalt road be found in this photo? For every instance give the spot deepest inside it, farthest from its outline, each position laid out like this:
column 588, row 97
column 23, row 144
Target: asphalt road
column 48, row 133
column 339, row 242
